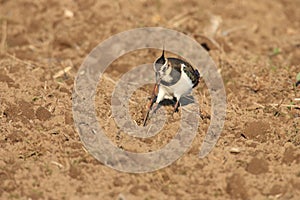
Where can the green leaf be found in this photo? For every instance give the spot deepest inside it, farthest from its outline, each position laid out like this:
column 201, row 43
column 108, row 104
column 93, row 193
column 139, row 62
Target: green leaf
column 276, row 51
column 298, row 77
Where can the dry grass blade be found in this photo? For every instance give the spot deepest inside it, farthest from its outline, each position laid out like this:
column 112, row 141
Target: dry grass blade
column 3, row 38
column 278, row 105
column 62, row 72
column 259, row 105
column 181, row 18
column 20, row 61
column 57, row 164
column 211, row 29
column 109, row 79
column 284, row 105
column 231, row 30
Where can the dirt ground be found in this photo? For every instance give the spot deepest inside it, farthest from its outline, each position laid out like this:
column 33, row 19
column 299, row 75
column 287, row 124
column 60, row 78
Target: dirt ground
column 257, row 51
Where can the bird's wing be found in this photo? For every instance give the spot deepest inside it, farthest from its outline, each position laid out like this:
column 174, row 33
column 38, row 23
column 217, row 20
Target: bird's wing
column 193, row 74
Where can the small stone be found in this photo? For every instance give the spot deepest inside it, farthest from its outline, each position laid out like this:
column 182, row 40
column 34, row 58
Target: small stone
column 235, row 150
column 68, row 13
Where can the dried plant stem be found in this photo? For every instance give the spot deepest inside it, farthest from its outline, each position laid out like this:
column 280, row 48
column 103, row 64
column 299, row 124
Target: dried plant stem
column 285, row 105
column 3, row 38
column 19, row 60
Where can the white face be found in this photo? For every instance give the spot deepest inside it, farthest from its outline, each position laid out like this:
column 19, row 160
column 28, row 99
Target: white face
column 160, row 67
column 160, row 70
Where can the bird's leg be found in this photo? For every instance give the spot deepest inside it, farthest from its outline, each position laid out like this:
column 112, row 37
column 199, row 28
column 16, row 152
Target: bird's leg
column 155, row 107
column 176, row 106
column 150, row 104
column 150, row 107
column 158, row 99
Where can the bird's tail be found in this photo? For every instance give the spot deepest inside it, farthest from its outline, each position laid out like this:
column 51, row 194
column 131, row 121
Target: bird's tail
column 198, row 77
column 197, row 73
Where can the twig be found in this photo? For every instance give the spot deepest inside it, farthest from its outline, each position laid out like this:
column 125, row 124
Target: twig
column 85, row 150
column 45, row 85
column 109, row 79
column 149, row 129
column 276, row 106
column 228, row 31
column 19, row 60
column 62, row 72
column 179, row 19
column 57, row 164
column 284, row 105
column 259, row 105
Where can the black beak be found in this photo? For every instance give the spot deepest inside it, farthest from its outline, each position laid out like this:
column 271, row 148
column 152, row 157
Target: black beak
column 297, row 83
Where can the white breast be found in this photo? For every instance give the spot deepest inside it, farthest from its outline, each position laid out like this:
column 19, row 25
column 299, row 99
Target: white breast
column 182, row 87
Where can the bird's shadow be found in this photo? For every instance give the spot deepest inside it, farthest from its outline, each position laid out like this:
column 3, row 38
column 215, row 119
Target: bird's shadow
column 185, row 100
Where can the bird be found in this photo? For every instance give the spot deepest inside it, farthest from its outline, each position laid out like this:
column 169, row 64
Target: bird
column 174, row 78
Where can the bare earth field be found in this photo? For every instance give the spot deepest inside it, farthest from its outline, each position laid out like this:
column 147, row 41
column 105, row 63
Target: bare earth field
column 257, row 50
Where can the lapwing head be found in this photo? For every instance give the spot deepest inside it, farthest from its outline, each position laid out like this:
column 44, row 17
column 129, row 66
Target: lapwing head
column 161, row 67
